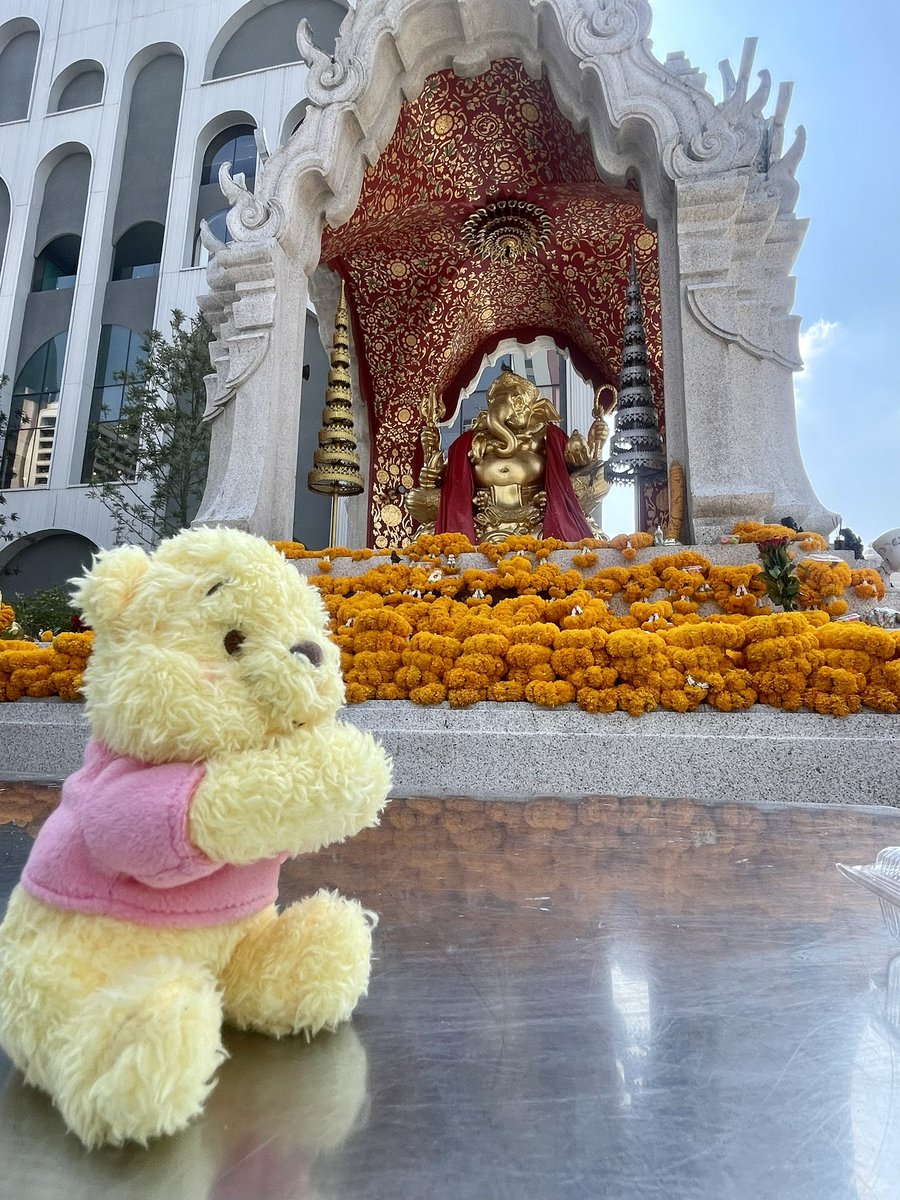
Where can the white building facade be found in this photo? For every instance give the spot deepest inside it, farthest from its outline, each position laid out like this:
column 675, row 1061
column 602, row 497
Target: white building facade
column 114, row 117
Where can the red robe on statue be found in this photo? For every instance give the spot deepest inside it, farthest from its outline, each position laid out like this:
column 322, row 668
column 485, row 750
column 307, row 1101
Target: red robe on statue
column 563, row 518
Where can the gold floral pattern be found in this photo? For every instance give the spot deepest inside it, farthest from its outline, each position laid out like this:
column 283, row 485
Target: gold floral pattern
column 427, row 307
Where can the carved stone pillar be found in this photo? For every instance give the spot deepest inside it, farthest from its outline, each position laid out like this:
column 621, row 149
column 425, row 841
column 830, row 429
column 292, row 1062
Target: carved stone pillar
column 739, row 354
column 253, row 399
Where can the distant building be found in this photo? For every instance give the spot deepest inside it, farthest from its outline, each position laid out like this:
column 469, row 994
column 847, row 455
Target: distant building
column 114, row 118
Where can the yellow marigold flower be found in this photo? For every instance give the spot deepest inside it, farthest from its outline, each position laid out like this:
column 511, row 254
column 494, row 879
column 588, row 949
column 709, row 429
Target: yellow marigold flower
column 836, row 608
column 636, row 700
column 598, row 700
column 550, row 695
column 492, row 644
column 867, row 583
column 753, row 531
column 736, row 693
column 634, row 643
column 431, row 693
column 567, row 661
column 291, row 549
column 7, row 617
column 629, row 543
column 868, row 639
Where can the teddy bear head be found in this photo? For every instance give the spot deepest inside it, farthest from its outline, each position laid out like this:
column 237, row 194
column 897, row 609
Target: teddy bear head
column 211, row 644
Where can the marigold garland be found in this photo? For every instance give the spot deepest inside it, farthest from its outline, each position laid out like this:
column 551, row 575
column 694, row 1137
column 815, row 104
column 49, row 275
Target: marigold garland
column 44, row 669
column 752, row 531
column 7, row 618
column 676, row 632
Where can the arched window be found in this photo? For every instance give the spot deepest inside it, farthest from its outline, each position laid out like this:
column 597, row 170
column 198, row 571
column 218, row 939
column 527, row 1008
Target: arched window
column 237, row 146
column 56, row 267
column 5, row 212
column 31, row 427
column 261, row 35
column 77, row 86
column 294, row 119
column 19, row 41
column 110, row 450
column 217, row 228
column 138, row 252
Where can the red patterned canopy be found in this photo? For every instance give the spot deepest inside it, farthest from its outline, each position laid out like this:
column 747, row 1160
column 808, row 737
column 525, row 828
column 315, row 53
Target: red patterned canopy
column 427, row 306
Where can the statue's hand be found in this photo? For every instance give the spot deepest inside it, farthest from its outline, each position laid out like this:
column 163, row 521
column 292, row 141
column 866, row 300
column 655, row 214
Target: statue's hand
column 423, row 503
column 597, row 439
column 576, row 452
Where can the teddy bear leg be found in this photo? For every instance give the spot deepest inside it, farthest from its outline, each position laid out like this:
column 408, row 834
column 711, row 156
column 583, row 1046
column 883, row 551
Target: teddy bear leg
column 135, row 1059
column 300, row 971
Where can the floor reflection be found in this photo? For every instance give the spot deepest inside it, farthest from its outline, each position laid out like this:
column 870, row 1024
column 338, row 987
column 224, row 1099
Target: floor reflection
column 616, row 998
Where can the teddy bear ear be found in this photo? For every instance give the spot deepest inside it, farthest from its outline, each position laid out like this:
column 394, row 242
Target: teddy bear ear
column 103, row 593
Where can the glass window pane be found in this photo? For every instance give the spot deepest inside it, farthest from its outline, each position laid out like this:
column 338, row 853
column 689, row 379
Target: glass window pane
column 107, row 454
column 56, row 266
column 244, row 156
column 235, row 145
column 31, row 426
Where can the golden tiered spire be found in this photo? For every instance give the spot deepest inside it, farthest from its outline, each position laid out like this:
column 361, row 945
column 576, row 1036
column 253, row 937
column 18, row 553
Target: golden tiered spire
column 336, row 462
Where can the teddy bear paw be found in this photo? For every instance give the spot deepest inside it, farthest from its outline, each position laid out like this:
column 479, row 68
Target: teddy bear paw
column 140, row 1055
column 303, row 970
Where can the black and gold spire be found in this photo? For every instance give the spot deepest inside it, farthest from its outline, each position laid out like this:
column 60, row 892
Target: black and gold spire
column 636, row 452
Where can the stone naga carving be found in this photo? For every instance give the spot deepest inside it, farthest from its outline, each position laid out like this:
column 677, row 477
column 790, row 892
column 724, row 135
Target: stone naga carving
column 248, row 214
column 331, row 77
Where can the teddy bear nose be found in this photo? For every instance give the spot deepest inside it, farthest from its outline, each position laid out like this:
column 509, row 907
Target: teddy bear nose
column 310, row 650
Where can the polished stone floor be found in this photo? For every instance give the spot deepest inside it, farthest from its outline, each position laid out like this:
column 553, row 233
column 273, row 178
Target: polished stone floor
column 616, row 999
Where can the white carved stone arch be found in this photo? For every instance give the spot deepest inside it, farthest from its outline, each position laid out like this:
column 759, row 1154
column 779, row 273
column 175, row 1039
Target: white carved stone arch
column 714, row 182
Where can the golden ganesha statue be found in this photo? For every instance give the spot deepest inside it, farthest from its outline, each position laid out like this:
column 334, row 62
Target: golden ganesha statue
column 514, row 472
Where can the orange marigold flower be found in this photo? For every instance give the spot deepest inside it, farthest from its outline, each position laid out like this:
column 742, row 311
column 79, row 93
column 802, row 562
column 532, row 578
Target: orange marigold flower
column 867, row 583
column 598, row 699
column 550, row 695
column 431, row 693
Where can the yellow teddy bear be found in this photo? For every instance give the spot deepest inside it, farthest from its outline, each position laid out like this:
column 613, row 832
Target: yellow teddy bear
column 146, row 912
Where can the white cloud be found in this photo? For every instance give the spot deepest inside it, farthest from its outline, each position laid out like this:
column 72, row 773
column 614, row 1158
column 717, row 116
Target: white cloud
column 817, row 339
column 815, row 342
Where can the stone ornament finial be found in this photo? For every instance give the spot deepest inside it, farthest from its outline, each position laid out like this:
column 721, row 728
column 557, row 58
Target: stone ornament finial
column 739, row 134
column 330, row 78
column 248, row 214
column 887, row 547
column 604, row 27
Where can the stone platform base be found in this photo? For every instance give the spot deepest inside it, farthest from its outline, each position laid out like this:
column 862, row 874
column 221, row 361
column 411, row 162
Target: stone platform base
column 521, row 751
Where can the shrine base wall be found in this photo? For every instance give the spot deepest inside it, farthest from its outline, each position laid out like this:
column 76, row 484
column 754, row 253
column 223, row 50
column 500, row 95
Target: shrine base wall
column 523, row 751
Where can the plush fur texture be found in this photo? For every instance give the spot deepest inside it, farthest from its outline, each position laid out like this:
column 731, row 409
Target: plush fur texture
column 120, row 1022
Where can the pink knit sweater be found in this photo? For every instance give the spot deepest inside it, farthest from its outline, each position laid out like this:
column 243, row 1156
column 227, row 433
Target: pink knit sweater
column 118, row 846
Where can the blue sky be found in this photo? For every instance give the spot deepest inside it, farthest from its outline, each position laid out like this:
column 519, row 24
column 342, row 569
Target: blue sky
column 841, row 58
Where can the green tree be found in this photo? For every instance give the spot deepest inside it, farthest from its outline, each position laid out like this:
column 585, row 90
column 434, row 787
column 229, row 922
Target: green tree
column 154, row 482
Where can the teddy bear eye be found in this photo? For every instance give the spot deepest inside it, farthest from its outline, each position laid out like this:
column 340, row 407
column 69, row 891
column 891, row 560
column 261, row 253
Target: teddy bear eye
column 233, row 641
column 215, row 587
